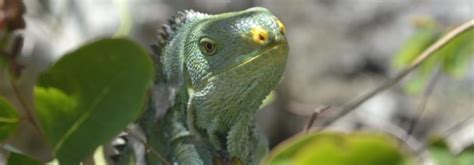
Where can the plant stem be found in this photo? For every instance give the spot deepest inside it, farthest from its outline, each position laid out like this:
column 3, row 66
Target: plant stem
column 28, row 110
column 315, row 115
column 152, row 150
column 424, row 100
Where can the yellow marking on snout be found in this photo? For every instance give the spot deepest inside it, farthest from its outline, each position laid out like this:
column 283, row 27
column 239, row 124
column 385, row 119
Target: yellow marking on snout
column 281, row 26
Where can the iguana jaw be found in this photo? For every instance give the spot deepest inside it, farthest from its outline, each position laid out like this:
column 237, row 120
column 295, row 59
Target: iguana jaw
column 279, row 50
column 266, row 51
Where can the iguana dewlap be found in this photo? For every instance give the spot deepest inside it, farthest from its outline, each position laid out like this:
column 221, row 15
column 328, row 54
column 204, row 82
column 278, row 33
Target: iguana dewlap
column 219, row 69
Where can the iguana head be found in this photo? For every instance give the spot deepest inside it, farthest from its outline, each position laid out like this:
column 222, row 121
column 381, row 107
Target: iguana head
column 230, row 49
column 243, row 42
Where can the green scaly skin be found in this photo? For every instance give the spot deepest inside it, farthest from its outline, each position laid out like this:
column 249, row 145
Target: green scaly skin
column 216, row 95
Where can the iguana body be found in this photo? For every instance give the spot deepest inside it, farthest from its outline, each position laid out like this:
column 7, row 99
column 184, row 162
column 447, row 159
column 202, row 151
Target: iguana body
column 218, row 69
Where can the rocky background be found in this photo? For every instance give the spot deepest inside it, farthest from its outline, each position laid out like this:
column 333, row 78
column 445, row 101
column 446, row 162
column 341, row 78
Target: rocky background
column 339, row 49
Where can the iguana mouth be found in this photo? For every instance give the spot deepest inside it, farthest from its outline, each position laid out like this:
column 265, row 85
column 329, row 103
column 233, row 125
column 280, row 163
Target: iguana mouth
column 262, row 53
column 259, row 55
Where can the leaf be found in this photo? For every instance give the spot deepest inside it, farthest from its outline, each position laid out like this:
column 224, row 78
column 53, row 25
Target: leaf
column 9, row 119
column 3, row 63
column 416, row 83
column 466, row 157
column 19, row 159
column 458, row 53
column 333, row 148
column 416, row 44
column 90, row 95
column 453, row 58
column 440, row 153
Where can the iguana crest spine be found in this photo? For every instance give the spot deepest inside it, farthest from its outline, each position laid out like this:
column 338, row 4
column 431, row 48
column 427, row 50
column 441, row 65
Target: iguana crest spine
column 167, row 31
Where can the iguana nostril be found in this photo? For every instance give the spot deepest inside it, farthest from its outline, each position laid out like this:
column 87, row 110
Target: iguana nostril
column 262, row 37
column 259, row 35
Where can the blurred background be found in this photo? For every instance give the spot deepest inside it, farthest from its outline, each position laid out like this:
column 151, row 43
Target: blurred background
column 339, row 49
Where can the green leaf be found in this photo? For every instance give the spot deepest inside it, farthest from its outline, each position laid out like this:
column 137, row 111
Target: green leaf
column 440, row 153
column 416, row 44
column 416, row 83
column 457, row 54
column 90, row 95
column 19, row 159
column 3, row 63
column 420, row 40
column 466, row 157
column 9, row 119
column 338, row 149
column 453, row 58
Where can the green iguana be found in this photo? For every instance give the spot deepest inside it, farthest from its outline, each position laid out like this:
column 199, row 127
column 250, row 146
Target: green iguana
column 218, row 70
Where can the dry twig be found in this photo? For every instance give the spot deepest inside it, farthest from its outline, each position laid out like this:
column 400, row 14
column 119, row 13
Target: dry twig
column 316, row 112
column 148, row 147
column 424, row 100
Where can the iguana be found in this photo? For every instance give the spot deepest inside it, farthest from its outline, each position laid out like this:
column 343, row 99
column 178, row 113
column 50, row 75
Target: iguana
column 217, row 70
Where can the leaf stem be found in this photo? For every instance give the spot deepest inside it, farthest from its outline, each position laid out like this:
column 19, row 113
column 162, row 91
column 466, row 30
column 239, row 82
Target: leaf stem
column 152, row 150
column 29, row 112
column 457, row 126
column 424, row 100
column 315, row 115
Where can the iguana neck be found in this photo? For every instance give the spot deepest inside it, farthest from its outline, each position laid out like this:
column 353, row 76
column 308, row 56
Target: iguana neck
column 234, row 96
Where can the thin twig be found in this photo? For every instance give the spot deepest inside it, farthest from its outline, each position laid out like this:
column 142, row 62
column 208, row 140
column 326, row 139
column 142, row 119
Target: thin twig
column 148, row 147
column 350, row 106
column 451, row 130
column 424, row 99
column 409, row 141
column 315, row 115
column 29, row 112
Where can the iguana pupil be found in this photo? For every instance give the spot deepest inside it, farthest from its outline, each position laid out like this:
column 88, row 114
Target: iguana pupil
column 209, row 46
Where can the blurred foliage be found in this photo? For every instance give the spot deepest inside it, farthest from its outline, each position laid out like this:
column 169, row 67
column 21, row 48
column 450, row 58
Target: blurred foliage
column 11, row 20
column 11, row 12
column 452, row 59
column 81, row 107
column 466, row 156
column 441, row 155
column 331, row 148
column 19, row 159
column 8, row 119
column 125, row 19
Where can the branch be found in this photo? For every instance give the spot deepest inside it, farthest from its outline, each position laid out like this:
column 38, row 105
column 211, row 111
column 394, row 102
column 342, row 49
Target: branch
column 315, row 115
column 452, row 129
column 411, row 143
column 150, row 148
column 28, row 110
column 424, row 99
column 350, row 106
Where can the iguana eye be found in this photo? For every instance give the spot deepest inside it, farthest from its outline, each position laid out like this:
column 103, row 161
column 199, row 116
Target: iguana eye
column 207, row 46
